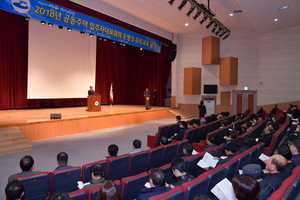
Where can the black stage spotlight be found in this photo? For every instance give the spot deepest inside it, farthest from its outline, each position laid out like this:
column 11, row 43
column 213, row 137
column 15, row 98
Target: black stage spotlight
column 226, row 36
column 191, row 10
column 219, row 30
column 209, row 24
column 43, row 22
column 203, row 20
column 214, row 28
column 222, row 33
column 171, row 2
column 60, row 27
column 182, row 4
column 197, row 14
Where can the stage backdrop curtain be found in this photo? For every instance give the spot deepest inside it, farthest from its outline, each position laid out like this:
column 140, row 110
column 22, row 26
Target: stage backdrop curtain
column 13, row 60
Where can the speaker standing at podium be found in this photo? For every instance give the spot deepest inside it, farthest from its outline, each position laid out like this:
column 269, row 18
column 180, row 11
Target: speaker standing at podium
column 91, row 91
column 147, row 99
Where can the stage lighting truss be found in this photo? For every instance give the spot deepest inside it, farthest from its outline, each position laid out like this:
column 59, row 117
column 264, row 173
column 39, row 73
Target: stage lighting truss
column 219, row 29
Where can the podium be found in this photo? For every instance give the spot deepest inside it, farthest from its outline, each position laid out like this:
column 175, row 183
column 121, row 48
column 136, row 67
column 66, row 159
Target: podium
column 147, row 101
column 94, row 103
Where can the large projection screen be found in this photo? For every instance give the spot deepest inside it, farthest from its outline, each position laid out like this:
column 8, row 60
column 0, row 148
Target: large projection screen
column 61, row 64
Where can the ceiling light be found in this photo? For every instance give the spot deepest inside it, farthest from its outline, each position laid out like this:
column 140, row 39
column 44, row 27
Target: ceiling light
column 124, row 45
column 191, row 10
column 284, row 7
column 114, row 42
column 171, row 2
column 231, row 14
column 186, row 24
column 81, row 32
column 209, row 24
column 43, row 22
column 104, row 39
column 197, row 13
column 50, row 24
column 203, row 20
column 275, row 20
column 27, row 18
column 91, row 35
column 141, row 49
column 182, row 4
column 69, row 29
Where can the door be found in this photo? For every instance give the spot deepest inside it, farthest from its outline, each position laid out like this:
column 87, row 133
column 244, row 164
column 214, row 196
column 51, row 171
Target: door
column 243, row 99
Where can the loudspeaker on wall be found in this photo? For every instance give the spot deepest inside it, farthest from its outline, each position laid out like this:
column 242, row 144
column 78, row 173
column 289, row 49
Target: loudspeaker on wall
column 55, row 116
column 172, row 50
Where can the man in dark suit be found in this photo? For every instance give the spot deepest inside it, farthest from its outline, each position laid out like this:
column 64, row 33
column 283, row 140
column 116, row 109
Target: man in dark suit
column 91, row 91
column 146, row 92
column 154, row 95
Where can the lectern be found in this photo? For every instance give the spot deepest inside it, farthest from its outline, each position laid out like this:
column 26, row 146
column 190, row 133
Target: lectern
column 147, row 101
column 94, row 103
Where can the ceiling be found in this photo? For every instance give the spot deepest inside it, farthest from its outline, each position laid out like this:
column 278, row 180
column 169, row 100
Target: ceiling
column 256, row 14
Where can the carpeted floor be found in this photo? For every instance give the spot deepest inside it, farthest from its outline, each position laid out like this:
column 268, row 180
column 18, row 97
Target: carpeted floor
column 82, row 148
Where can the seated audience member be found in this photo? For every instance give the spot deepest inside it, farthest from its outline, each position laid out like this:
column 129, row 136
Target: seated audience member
column 157, row 180
column 247, row 111
column 282, row 119
column 163, row 140
column 202, row 121
column 290, row 109
column 97, row 173
column 112, row 151
column 294, row 146
column 226, row 114
column 211, row 142
column 260, row 111
column 230, row 149
column 254, row 170
column 136, row 145
column 191, row 124
column 26, row 164
column 202, row 197
column 241, row 145
column 59, row 196
column 287, row 154
column 266, row 137
column 238, row 117
column 274, row 110
column 250, row 141
column 274, row 125
column 109, row 191
column 296, row 112
column 232, row 136
column 245, row 187
column 246, row 127
column 219, row 116
column 180, row 172
column 14, row 190
column 187, row 150
column 180, row 133
column 178, row 118
column 260, row 118
column 276, row 166
column 62, row 161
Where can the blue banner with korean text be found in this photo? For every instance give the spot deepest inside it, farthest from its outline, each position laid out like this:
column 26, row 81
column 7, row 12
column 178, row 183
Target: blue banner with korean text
column 55, row 14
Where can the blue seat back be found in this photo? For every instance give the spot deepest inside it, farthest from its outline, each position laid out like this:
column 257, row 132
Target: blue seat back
column 86, row 170
column 117, row 167
column 137, row 163
column 132, row 186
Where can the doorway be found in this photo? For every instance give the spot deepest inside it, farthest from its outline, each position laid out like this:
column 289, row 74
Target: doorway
column 210, row 103
column 243, row 99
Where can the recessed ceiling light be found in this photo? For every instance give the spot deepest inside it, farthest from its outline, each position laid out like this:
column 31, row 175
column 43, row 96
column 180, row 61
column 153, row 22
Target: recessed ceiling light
column 186, row 24
column 275, row 20
column 231, row 14
column 284, row 7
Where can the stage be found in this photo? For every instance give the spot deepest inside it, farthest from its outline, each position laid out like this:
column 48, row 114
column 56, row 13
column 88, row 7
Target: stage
column 36, row 123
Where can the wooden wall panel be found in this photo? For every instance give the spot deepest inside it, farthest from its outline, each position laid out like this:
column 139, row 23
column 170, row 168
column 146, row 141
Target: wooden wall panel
column 210, row 51
column 239, row 103
column 192, row 81
column 229, row 71
column 225, row 98
column 251, row 102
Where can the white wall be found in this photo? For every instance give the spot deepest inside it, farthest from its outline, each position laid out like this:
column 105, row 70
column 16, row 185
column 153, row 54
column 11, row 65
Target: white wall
column 279, row 66
column 242, row 43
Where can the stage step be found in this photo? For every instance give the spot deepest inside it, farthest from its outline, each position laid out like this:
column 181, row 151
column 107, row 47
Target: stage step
column 12, row 140
column 182, row 113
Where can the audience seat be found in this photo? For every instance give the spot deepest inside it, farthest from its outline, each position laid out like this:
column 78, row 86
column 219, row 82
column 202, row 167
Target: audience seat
column 132, row 186
column 196, row 186
column 180, row 147
column 231, row 168
column 155, row 156
column 191, row 165
column 86, row 170
column 78, row 195
column 244, row 159
column 173, row 194
column 117, row 167
column 36, row 185
column 169, row 152
column 137, row 163
column 170, row 178
column 65, row 180
column 215, row 176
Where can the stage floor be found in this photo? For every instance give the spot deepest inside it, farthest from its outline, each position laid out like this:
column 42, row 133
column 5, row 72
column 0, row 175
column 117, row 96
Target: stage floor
column 15, row 117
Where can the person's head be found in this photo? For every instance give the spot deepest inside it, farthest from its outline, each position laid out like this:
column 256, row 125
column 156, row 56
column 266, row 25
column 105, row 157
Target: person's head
column 91, row 87
column 59, row 196
column 247, row 125
column 201, row 102
column 294, row 146
column 211, row 139
column 157, row 178
column 253, row 170
column 274, row 125
column 14, row 190
column 178, row 117
column 219, row 117
column 201, row 197
column 230, row 148
column 108, row 191
column 97, row 171
column 284, row 114
column 284, row 151
column 146, row 89
column 183, row 124
column 261, row 118
column 240, row 142
column 269, row 130
column 226, row 114
column 233, row 134
column 295, row 107
column 26, row 163
column 238, row 129
column 137, row 144
column 163, row 140
column 276, row 164
column 191, row 124
column 202, row 121
column 178, row 167
column 113, row 150
column 187, row 148
column 62, row 158
column 245, row 187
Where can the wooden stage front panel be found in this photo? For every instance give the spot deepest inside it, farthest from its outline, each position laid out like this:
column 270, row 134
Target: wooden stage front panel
column 36, row 123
